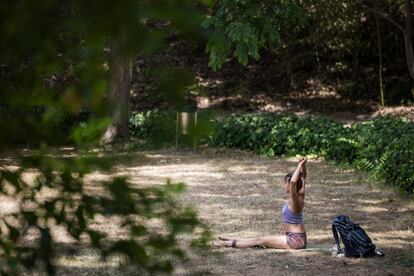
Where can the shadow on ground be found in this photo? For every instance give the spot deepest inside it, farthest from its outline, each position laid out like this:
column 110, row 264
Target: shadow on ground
column 240, row 194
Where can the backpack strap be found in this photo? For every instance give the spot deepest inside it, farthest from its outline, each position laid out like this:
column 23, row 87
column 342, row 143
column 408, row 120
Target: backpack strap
column 335, row 234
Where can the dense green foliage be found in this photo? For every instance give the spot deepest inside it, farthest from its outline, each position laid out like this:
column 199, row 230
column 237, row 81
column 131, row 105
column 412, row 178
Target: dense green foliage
column 61, row 67
column 384, row 146
column 153, row 127
column 385, row 149
column 242, row 27
column 54, row 66
column 156, row 129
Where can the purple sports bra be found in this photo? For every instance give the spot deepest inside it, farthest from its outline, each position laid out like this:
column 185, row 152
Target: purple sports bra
column 290, row 217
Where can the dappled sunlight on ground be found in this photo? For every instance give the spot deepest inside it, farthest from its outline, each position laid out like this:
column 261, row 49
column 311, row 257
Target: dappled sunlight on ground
column 8, row 205
column 240, row 194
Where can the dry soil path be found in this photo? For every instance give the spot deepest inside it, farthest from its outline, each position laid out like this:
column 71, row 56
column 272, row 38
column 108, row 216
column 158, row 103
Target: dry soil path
column 240, row 194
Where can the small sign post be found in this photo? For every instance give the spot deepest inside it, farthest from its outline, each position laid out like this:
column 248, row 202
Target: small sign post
column 186, row 124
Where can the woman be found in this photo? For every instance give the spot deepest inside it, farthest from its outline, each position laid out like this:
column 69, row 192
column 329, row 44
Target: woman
column 292, row 218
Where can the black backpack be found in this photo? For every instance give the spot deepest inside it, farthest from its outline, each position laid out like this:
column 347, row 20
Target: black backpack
column 356, row 242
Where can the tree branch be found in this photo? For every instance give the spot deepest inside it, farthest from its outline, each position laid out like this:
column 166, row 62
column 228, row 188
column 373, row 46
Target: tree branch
column 383, row 16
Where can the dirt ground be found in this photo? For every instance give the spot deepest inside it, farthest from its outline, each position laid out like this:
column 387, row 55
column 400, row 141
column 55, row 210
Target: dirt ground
column 240, row 194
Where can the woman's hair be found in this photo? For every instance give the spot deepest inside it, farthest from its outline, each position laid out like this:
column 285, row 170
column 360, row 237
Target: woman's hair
column 287, row 179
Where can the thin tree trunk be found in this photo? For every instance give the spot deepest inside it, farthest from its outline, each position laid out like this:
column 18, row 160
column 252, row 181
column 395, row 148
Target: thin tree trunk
column 318, row 59
column 380, row 61
column 119, row 95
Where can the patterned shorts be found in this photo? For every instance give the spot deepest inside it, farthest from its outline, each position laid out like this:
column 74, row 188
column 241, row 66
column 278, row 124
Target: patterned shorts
column 296, row 240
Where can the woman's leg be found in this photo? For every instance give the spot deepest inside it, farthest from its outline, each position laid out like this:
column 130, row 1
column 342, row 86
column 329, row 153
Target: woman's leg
column 227, row 238
column 270, row 241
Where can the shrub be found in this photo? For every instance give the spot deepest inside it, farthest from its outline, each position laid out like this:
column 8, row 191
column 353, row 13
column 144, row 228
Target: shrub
column 157, row 128
column 153, row 127
column 386, row 148
column 277, row 134
column 383, row 147
column 396, row 165
column 376, row 135
column 343, row 151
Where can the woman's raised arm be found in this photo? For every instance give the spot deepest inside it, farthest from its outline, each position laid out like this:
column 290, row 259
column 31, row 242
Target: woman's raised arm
column 294, row 193
column 303, row 175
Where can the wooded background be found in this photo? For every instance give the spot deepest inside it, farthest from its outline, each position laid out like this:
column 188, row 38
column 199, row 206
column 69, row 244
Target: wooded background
column 71, row 73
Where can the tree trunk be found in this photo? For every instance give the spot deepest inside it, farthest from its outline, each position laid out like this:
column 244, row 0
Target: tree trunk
column 381, row 87
column 119, row 96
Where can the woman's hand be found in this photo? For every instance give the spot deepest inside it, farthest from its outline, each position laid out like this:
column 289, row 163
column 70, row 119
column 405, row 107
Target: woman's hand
column 302, row 166
column 302, row 161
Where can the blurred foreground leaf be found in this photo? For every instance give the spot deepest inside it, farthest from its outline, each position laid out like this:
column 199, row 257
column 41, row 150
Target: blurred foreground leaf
column 56, row 70
column 151, row 218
